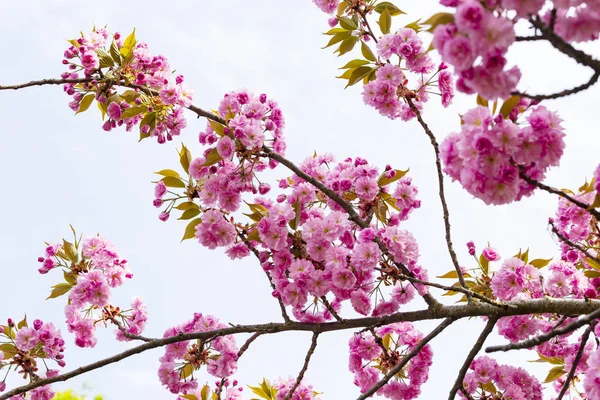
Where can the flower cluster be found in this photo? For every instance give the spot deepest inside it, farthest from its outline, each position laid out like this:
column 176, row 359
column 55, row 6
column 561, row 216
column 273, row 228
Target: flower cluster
column 577, row 225
column 487, row 378
column 156, row 97
column 574, row 20
column 182, row 359
column 488, row 153
column 90, row 277
column 371, row 356
column 476, row 44
column 229, row 165
column 304, row 391
column 327, row 6
column 24, row 346
column 388, row 92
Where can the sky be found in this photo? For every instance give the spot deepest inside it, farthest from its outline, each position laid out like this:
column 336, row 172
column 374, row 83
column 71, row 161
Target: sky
column 59, row 169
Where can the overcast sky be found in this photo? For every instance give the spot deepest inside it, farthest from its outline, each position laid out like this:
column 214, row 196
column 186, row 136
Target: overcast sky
column 58, row 169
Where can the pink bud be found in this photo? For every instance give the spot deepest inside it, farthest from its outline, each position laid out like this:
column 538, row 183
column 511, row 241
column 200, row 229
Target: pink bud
column 163, row 216
column 37, row 324
column 332, row 22
column 264, row 188
column 490, row 253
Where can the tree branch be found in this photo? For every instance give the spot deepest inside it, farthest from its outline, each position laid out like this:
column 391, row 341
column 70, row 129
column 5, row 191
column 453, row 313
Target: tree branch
column 584, row 339
column 43, row 82
column 309, row 354
column 458, row 384
column 572, row 244
column 525, row 344
column 442, row 194
column 415, row 350
column 455, row 312
column 566, row 92
column 560, row 193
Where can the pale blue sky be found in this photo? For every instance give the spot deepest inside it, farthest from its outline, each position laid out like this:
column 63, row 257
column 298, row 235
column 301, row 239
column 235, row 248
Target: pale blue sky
column 59, row 169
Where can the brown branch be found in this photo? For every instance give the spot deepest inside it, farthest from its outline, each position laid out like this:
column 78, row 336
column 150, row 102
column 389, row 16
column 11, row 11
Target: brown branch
column 560, row 193
column 572, row 244
column 567, row 92
column 247, row 344
column 43, row 82
column 525, row 344
column 254, row 251
column 309, row 354
column 558, row 43
column 442, row 194
column 584, row 339
column 455, row 312
column 529, row 38
column 458, row 384
column 415, row 350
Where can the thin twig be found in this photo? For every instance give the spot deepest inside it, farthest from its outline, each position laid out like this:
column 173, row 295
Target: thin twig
column 442, row 194
column 529, row 38
column 413, row 352
column 526, row 344
column 560, row 193
column 247, row 344
column 584, row 339
column 43, row 82
column 458, row 384
column 254, row 251
column 572, row 244
column 309, row 354
column 567, row 92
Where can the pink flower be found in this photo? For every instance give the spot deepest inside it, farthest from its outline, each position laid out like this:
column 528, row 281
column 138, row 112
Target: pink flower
column 327, row 6
column 27, row 339
column 491, row 254
column 114, row 111
column 597, row 180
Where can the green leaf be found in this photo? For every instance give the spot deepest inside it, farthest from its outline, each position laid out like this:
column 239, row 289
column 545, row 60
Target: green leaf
column 354, row 64
column 348, row 23
column 190, row 229
column 347, row 45
column 217, row 127
column 130, row 95
column 133, row 111
column 591, row 274
column 22, row 323
column 391, row 8
column 508, row 105
column 190, row 396
column 188, row 214
column 414, row 25
column 366, row 52
column 59, row 290
column 170, row 181
column 551, row 360
column 148, row 120
column 70, row 251
column 85, row 103
column 128, row 45
column 525, row 256
column 441, row 18
column 212, row 158
column 105, row 58
column 187, row 205
column 385, row 21
column 540, row 262
column 333, row 31
column 387, row 339
column 186, row 371
column 204, row 392
column 114, row 52
column 484, row 264
column 358, row 74
column 185, row 157
column 481, row 101
column 168, row 172
column 70, row 277
column 347, row 74
column 8, row 349
column 555, row 373
column 384, row 181
column 449, row 275
column 297, row 212
column 338, row 37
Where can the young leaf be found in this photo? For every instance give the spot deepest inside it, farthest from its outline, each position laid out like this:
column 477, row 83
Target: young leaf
column 85, row 103
column 190, row 229
column 191, row 213
column 384, row 181
column 439, row 19
column 555, row 373
column 358, row 74
column 540, row 262
column 348, row 24
column 133, row 111
column 187, row 205
column 354, row 63
column 173, row 182
column 59, row 290
column 347, row 45
column 366, row 52
column 168, row 172
column 385, row 21
column 185, row 157
column 508, row 105
column 212, row 158
column 338, row 37
column 391, row 8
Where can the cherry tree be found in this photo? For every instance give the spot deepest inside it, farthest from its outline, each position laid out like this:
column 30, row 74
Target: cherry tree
column 330, row 236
